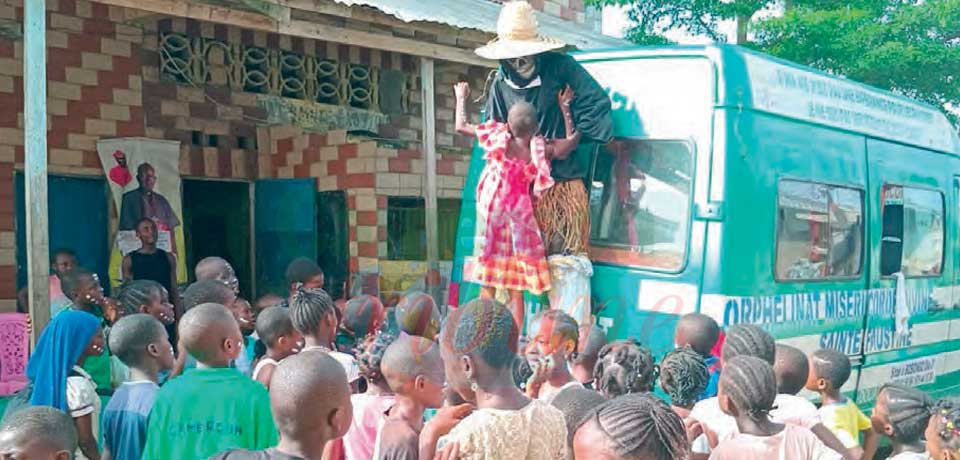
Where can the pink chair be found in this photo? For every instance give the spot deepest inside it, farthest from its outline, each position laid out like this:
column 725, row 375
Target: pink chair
column 14, row 346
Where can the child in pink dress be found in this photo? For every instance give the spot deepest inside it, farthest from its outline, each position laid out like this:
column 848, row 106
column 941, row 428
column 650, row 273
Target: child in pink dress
column 512, row 255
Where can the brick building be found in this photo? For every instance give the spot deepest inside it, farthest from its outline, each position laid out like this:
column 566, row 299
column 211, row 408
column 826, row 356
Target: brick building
column 323, row 90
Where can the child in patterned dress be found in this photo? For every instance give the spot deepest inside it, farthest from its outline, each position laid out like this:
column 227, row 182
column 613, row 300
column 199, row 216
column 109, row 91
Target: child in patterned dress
column 512, row 255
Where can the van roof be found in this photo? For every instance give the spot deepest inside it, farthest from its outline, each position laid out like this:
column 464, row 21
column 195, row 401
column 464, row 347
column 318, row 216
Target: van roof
column 755, row 81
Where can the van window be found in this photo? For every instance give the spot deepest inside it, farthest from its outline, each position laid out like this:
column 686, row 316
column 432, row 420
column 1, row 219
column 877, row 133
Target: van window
column 640, row 203
column 913, row 231
column 819, row 231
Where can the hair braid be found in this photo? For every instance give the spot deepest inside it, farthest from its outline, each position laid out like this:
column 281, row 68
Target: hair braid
column 749, row 340
column 908, row 411
column 946, row 420
column 683, row 376
column 134, row 294
column 624, row 367
column 750, row 384
column 308, row 308
column 639, row 425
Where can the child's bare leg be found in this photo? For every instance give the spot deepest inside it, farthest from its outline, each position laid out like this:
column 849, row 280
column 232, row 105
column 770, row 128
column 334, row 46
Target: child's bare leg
column 488, row 293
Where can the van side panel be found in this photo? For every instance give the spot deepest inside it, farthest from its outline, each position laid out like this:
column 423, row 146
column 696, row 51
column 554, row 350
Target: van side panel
column 776, row 173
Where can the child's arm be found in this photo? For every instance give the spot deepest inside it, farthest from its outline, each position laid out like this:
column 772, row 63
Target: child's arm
column 832, row 442
column 127, row 268
column 266, row 373
column 87, row 441
column 870, row 439
column 561, row 148
column 463, row 126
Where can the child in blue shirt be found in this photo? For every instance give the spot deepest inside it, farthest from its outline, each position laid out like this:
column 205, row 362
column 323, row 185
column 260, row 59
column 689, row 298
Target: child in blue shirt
column 700, row 332
column 141, row 343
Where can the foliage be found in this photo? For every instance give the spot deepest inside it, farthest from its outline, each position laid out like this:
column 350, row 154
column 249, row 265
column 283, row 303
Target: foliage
column 911, row 47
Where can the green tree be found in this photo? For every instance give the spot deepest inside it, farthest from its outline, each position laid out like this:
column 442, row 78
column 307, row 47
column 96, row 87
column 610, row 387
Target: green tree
column 652, row 18
column 911, row 47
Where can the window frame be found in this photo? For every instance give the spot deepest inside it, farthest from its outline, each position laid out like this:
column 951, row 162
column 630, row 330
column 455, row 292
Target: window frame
column 777, row 227
column 618, row 256
column 943, row 243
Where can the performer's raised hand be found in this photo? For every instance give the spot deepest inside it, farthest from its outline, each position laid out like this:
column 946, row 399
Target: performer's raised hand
column 462, row 90
column 566, row 96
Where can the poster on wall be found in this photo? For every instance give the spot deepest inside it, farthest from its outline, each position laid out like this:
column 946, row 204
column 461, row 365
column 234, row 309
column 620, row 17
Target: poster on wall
column 144, row 179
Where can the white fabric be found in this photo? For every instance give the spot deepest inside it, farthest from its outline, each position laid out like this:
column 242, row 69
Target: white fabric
column 260, row 365
column 910, row 456
column 790, row 409
column 348, row 362
column 82, row 399
column 548, row 396
column 793, row 443
column 571, row 286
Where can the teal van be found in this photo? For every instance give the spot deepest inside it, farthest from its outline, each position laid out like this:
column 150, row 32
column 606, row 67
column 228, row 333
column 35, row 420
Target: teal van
column 759, row 191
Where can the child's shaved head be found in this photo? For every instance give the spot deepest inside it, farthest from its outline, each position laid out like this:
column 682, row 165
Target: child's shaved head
column 412, row 367
column 792, row 368
column 210, row 333
column 310, row 398
column 208, row 291
column 38, row 432
column 522, row 119
column 131, row 335
column 698, row 331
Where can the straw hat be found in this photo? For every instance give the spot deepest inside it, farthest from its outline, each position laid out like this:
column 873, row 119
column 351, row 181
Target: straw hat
column 517, row 35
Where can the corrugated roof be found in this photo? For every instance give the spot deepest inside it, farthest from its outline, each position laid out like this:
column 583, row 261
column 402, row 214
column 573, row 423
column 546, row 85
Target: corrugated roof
column 482, row 15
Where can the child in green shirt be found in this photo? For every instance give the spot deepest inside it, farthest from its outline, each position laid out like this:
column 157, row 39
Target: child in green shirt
column 211, row 408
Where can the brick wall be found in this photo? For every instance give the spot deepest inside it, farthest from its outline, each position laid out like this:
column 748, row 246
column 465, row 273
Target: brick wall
column 370, row 173
column 94, row 91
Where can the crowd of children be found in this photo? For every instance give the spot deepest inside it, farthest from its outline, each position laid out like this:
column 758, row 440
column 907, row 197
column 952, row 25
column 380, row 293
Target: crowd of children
column 345, row 383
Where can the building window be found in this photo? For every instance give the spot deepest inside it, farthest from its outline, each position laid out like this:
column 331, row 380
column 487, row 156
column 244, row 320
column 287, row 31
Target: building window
column 640, row 204
column 407, row 232
column 913, row 232
column 819, row 231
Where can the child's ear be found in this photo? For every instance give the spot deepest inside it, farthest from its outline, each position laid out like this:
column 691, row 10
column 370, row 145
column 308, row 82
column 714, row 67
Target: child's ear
column 419, row 383
column 144, row 309
column 63, row 455
column 231, row 348
column 822, row 384
column 339, row 421
column 153, row 350
column 888, row 430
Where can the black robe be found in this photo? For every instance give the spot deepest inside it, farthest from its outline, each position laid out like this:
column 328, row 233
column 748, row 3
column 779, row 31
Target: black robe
column 591, row 108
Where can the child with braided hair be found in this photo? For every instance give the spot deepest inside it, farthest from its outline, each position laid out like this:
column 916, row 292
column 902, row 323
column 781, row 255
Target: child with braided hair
column 752, row 340
column 477, row 345
column 369, row 406
column 314, row 315
column 146, row 296
column 555, row 336
column 632, row 427
column 943, row 432
column 901, row 414
column 624, row 367
column 747, row 392
column 683, row 376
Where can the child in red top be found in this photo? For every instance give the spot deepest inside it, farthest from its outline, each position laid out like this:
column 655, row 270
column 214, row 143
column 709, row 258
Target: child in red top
column 512, row 255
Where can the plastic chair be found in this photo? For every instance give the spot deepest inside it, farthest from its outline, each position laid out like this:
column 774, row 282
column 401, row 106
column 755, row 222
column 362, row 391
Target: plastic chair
column 14, row 346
